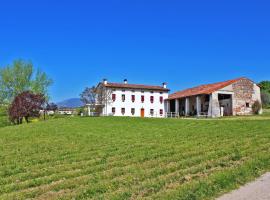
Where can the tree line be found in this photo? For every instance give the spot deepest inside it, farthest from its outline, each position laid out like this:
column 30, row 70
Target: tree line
column 265, row 93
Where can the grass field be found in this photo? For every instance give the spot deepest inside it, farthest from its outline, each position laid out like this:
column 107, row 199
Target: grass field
column 127, row 158
column 3, row 117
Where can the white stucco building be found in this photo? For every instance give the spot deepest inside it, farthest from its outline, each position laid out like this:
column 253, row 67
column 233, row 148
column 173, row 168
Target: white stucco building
column 134, row 100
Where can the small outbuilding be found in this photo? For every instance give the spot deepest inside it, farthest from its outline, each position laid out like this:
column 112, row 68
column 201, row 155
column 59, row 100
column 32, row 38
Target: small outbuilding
column 232, row 97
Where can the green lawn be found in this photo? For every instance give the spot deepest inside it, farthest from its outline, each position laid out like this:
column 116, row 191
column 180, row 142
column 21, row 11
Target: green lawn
column 3, row 117
column 131, row 158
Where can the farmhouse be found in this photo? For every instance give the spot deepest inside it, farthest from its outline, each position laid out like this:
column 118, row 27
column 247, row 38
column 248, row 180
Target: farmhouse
column 233, row 97
column 124, row 99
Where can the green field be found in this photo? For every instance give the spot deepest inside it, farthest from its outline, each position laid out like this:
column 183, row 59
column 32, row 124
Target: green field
column 3, row 117
column 132, row 158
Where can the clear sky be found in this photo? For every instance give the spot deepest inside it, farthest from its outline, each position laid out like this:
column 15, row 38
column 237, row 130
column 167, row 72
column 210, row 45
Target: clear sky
column 182, row 42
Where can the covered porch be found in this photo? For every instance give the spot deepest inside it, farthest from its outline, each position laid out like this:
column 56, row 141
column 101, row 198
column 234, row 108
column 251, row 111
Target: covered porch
column 202, row 105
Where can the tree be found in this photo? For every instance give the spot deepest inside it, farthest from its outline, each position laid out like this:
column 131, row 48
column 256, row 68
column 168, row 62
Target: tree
column 265, row 86
column 25, row 105
column 265, row 98
column 104, row 97
column 96, row 97
column 88, row 96
column 20, row 77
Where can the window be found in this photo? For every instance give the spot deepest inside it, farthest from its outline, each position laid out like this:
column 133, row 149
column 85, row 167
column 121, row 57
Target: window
column 152, row 99
column 133, row 98
column 123, row 111
column 151, row 112
column 161, row 99
column 161, row 111
column 123, row 97
column 113, row 110
column 142, row 98
column 247, row 105
column 113, row 97
column 132, row 111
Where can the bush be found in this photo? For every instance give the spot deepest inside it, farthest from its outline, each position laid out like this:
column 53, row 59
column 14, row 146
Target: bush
column 256, row 107
column 80, row 110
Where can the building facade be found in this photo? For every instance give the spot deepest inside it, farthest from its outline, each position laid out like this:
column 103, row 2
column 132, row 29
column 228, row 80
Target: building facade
column 134, row 100
column 233, row 97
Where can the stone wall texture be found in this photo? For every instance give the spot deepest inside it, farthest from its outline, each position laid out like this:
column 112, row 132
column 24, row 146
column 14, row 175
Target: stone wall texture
column 246, row 93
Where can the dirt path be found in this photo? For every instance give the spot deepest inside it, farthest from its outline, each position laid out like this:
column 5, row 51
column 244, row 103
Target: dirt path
column 257, row 190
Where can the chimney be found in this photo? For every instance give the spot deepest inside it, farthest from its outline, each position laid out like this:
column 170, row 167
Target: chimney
column 125, row 81
column 105, row 81
column 164, row 85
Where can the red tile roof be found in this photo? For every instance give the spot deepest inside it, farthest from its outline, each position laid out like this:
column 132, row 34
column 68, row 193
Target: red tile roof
column 202, row 89
column 135, row 86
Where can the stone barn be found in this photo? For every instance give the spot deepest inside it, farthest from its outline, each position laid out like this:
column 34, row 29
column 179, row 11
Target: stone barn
column 233, row 97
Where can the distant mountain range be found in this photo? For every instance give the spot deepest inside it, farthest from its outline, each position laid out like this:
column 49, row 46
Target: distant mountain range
column 70, row 103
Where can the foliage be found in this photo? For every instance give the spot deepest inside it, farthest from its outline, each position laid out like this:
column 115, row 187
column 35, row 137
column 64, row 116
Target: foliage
column 3, row 110
column 265, row 96
column 80, row 110
column 265, row 86
column 256, row 107
column 124, row 158
column 25, row 105
column 20, row 77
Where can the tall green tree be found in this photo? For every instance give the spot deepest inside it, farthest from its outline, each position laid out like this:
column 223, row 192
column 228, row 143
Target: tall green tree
column 265, row 96
column 265, row 86
column 19, row 77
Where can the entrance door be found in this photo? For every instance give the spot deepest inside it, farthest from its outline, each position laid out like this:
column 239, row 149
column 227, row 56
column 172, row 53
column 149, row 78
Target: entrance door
column 142, row 112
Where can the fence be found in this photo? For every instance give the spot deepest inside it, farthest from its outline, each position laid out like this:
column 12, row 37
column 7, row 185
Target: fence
column 171, row 114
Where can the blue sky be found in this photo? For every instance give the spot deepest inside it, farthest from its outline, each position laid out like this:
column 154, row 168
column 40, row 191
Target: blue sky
column 182, row 42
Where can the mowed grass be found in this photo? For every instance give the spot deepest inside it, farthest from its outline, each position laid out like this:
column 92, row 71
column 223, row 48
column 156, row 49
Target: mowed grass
column 131, row 158
column 3, row 117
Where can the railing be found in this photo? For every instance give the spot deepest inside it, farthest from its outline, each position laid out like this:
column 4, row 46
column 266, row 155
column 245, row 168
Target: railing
column 91, row 114
column 171, row 114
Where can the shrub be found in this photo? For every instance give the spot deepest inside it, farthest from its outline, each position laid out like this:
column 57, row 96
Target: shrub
column 256, row 107
column 80, row 110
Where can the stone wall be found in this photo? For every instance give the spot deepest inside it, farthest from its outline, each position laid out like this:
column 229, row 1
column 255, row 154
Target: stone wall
column 245, row 94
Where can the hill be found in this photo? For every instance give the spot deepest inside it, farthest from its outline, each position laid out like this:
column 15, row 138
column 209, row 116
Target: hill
column 131, row 158
column 70, row 103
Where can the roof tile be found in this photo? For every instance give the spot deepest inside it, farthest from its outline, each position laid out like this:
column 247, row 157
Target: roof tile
column 136, row 86
column 202, row 89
